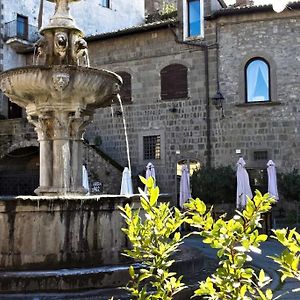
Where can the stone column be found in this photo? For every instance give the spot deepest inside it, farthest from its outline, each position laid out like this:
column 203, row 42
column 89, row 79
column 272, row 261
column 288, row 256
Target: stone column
column 78, row 125
column 43, row 130
column 61, row 152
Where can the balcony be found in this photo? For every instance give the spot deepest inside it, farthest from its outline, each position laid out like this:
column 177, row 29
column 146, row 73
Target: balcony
column 20, row 35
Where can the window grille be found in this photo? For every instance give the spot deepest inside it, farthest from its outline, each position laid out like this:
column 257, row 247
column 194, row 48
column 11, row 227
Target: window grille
column 151, row 147
column 260, row 155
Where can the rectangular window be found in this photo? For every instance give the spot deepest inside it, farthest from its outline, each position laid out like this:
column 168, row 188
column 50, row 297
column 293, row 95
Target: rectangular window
column 260, row 155
column 105, row 3
column 151, row 147
column 22, row 27
column 193, row 19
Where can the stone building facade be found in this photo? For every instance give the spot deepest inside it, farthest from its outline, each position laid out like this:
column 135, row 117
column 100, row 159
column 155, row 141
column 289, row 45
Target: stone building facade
column 196, row 127
column 273, row 126
column 193, row 128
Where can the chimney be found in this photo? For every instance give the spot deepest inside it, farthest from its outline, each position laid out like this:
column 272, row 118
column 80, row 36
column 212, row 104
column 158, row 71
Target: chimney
column 244, row 3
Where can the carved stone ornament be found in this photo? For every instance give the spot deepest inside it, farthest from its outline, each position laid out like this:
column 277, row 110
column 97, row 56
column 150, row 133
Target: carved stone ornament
column 5, row 85
column 60, row 81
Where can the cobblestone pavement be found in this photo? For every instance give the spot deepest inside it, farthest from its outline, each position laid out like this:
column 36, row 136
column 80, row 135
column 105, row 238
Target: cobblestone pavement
column 270, row 247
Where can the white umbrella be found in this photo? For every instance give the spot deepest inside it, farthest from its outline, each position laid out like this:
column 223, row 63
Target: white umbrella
column 85, row 179
column 150, row 171
column 126, row 185
column 243, row 186
column 185, row 191
column 272, row 180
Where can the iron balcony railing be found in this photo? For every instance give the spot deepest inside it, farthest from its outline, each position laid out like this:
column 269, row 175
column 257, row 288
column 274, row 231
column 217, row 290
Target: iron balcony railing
column 21, row 30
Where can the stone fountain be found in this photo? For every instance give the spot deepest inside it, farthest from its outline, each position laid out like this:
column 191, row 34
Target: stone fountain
column 60, row 228
column 60, row 94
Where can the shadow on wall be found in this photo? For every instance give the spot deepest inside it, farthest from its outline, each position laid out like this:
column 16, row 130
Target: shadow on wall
column 19, row 172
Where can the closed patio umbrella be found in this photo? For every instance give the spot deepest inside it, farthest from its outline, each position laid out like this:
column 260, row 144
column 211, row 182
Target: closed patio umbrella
column 272, row 180
column 243, row 185
column 85, row 179
column 150, row 172
column 126, row 185
column 185, row 191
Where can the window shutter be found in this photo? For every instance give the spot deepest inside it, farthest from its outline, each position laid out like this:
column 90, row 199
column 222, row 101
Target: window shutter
column 174, row 82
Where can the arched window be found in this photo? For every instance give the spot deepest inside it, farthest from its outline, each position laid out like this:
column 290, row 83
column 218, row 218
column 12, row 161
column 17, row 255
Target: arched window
column 125, row 91
column 174, row 82
column 257, row 80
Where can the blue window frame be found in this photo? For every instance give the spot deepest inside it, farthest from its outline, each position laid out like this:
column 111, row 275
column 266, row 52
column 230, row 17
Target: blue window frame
column 22, row 26
column 105, row 3
column 257, row 80
column 194, row 18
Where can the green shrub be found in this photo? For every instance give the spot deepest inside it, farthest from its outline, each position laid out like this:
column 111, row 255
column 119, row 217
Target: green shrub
column 215, row 185
column 289, row 185
column 234, row 238
column 290, row 257
column 154, row 236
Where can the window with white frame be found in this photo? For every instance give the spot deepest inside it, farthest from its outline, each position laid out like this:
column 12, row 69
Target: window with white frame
column 193, row 19
column 257, row 80
column 105, row 3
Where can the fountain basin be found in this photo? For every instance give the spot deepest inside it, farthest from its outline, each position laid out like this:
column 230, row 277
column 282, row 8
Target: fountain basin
column 60, row 101
column 59, row 87
column 61, row 232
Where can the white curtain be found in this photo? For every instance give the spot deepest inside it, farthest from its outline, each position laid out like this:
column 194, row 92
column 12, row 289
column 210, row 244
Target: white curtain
column 253, row 70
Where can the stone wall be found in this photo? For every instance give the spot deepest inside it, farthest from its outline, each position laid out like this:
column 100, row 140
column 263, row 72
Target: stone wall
column 104, row 173
column 15, row 134
column 271, row 126
column 181, row 123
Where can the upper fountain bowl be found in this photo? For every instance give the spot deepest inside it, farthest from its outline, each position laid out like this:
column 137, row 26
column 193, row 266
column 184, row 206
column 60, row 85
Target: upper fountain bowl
column 60, row 87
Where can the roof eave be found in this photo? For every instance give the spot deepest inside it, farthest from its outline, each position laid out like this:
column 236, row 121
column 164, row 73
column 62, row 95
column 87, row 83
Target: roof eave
column 245, row 10
column 132, row 30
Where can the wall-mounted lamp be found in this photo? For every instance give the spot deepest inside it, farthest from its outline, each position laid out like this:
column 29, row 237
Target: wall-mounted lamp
column 118, row 113
column 217, row 101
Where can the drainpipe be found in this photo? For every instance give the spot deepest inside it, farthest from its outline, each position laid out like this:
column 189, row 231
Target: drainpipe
column 207, row 106
column 205, row 48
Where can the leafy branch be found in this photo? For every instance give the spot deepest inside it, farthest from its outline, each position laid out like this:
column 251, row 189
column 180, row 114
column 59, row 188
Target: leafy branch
column 235, row 239
column 154, row 238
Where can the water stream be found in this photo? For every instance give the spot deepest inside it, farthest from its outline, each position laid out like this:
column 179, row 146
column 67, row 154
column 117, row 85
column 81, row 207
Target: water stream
column 125, row 132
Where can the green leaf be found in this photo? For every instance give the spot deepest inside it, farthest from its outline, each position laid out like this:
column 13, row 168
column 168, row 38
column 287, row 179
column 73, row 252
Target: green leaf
column 269, row 294
column 261, row 276
column 131, row 272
